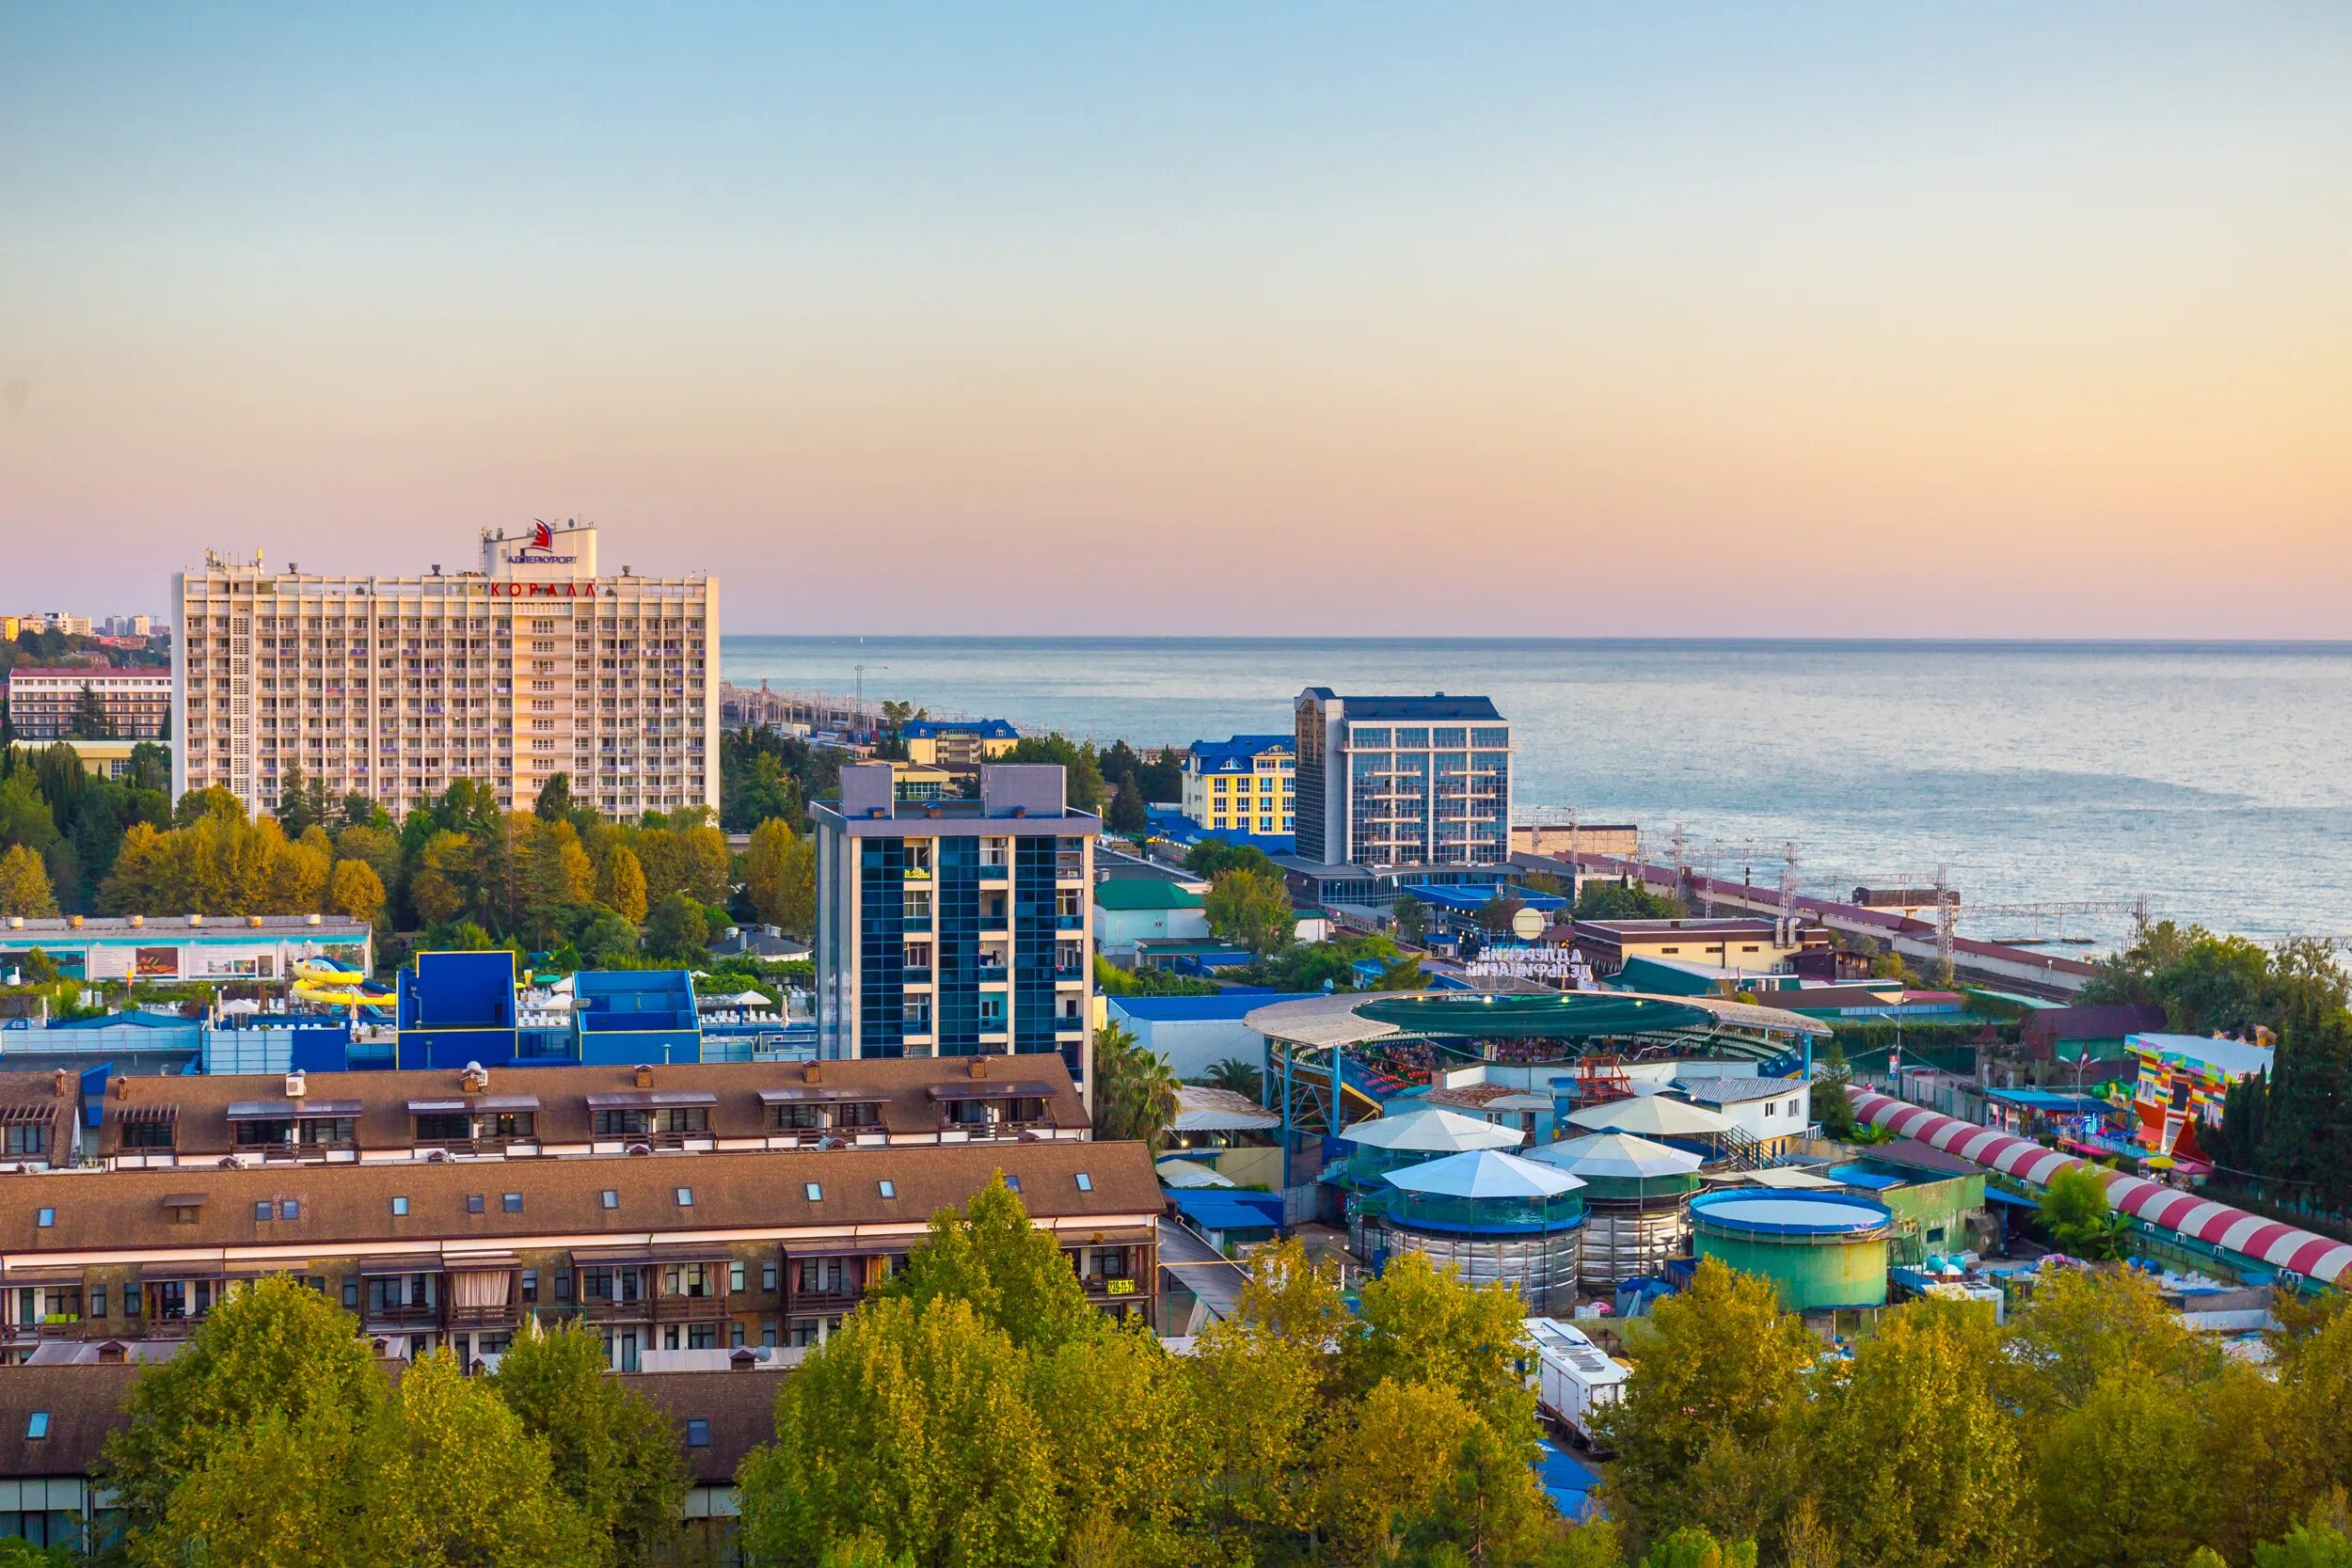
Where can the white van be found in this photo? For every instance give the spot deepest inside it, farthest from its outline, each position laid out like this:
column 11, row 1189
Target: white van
column 1572, row 1376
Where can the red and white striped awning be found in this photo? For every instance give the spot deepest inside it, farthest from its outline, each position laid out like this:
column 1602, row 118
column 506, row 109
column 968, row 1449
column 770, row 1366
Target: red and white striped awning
column 2252, row 1236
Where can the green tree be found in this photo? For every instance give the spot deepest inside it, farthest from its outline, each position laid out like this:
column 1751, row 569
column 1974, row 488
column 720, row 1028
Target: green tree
column 25, row 887
column 780, row 878
column 909, row 1427
column 1412, row 918
column 614, row 1454
column 1723, row 1365
column 272, row 1350
column 1012, row 1275
column 1915, row 1459
column 1213, row 857
column 678, row 931
column 2086, row 1324
column 1421, row 1325
column 621, row 885
column 1135, row 1092
column 1081, row 771
column 478, row 1486
column 1238, row 1077
column 1252, row 908
column 1624, row 900
column 1495, row 915
column 2075, row 1210
column 439, row 885
column 2097, row 1511
column 352, row 889
column 90, row 721
column 2320, row 1542
column 607, row 941
column 1831, row 1107
column 1127, row 814
column 1696, row 1548
column 554, row 803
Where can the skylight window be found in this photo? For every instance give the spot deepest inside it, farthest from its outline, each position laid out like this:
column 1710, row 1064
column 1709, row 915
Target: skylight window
column 816, row 1191
column 686, row 1197
column 46, row 1218
column 1086, row 1183
column 612, row 1199
column 37, row 1424
column 400, row 1206
column 889, row 1188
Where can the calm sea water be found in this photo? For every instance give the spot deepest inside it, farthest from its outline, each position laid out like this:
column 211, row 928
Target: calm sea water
column 2216, row 780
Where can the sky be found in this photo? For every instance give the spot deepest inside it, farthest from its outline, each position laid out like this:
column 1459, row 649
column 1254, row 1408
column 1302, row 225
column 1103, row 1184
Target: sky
column 1806, row 319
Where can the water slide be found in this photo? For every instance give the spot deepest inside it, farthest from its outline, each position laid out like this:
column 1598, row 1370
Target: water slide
column 324, row 982
column 2216, row 1224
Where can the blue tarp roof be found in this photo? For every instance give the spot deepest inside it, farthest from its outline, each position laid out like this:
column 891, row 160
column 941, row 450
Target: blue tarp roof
column 1191, row 1009
column 1565, row 1480
column 1224, row 1209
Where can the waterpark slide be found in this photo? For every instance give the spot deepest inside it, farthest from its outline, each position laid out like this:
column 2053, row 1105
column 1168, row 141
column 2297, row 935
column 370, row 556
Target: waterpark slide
column 325, row 983
column 2216, row 1224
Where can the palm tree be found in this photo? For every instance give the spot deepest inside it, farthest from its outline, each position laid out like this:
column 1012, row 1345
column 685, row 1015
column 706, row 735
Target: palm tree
column 1135, row 1091
column 1242, row 1078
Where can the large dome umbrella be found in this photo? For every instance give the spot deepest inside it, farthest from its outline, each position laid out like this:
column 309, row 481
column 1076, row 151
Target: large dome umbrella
column 1618, row 1156
column 1653, row 1115
column 1431, row 1131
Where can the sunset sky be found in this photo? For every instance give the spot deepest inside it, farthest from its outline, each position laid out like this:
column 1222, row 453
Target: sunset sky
column 1806, row 321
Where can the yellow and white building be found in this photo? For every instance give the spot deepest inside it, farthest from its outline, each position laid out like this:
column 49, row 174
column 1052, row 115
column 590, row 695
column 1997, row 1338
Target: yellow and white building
column 1248, row 784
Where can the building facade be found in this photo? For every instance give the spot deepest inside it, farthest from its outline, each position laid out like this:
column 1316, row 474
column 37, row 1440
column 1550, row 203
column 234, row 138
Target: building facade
column 955, row 927
column 46, row 704
column 1386, row 782
column 534, row 664
column 723, row 1251
column 185, row 947
column 1248, row 784
column 960, row 744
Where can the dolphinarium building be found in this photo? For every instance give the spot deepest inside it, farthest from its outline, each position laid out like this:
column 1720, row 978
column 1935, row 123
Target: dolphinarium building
column 955, row 927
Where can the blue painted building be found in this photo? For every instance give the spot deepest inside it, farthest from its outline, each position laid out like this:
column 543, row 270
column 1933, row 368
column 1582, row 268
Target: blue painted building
column 631, row 1016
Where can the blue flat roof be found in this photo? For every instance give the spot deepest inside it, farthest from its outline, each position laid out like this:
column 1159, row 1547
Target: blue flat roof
column 1224, row 1209
column 930, row 729
column 1190, row 1009
column 1239, row 752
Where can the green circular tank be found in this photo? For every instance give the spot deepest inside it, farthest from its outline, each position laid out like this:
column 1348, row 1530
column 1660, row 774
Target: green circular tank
column 1820, row 1250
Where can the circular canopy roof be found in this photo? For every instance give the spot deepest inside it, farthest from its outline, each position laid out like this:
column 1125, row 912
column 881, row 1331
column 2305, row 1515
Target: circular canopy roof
column 1653, row 1115
column 1545, row 1015
column 1616, row 1156
column 1432, row 1130
column 1484, row 1173
column 1792, row 1213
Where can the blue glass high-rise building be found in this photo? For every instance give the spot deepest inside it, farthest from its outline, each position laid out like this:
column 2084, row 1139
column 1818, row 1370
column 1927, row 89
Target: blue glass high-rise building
column 955, row 927
column 1401, row 782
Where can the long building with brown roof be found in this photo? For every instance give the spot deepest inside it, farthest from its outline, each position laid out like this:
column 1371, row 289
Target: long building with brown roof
column 726, row 1249
column 518, row 1113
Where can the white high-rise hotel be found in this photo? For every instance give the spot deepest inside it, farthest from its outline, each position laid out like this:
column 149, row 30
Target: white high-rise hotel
column 396, row 686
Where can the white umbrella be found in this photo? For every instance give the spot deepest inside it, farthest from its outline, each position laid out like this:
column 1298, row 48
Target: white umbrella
column 1653, row 1115
column 552, row 1004
column 241, row 1005
column 1484, row 1173
column 750, row 999
column 1431, row 1131
column 1619, row 1156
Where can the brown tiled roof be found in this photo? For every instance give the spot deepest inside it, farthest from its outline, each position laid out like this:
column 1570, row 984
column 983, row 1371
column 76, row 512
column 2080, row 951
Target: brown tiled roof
column 83, row 1402
column 563, row 1092
column 344, row 1209
column 739, row 1406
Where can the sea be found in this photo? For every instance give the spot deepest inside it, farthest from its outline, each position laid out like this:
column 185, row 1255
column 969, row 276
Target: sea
column 2211, row 780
